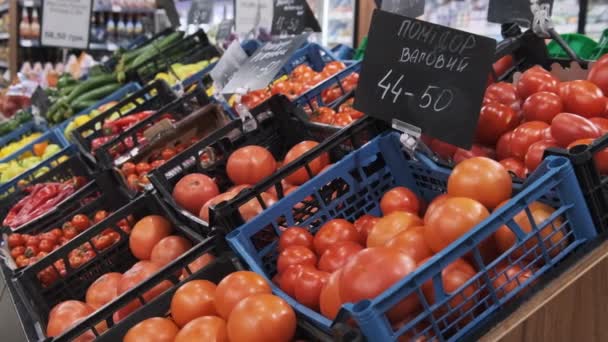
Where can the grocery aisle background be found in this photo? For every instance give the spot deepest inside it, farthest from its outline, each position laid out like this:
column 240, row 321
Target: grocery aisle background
column 10, row 328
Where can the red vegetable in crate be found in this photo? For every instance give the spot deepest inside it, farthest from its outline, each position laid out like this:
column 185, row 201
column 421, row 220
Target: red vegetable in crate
column 120, row 125
column 98, row 142
column 566, row 127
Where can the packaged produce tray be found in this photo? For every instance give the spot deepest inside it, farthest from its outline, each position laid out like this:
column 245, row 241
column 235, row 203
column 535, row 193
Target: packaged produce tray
column 276, row 130
column 65, row 282
column 354, row 186
column 151, row 97
column 52, row 136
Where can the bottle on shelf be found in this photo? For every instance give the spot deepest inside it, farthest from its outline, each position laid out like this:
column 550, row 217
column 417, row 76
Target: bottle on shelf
column 111, row 29
column 35, row 25
column 130, row 29
column 138, row 30
column 24, row 25
column 121, row 30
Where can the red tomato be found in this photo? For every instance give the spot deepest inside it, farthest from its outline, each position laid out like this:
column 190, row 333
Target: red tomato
column 365, row 224
column 333, row 231
column 168, row 153
column 235, row 287
column 80, row 222
column 443, row 149
column 495, row 119
column 308, row 287
column 103, row 290
column 152, row 329
column 412, row 242
column 584, row 98
column 436, row 202
column 532, row 81
column 598, row 75
column 155, row 164
column 503, row 146
column 128, row 168
column 194, row 299
column 337, row 255
column 329, row 299
column 138, row 273
column 142, row 168
column 301, row 70
column 169, row 249
column 475, row 151
column 194, row 190
column 32, row 241
column 250, row 164
column 371, row 272
column 15, row 240
column 65, row 315
column 333, row 67
column 515, row 166
column 146, row 233
column 399, row 199
column 253, row 208
column 452, row 219
column 226, row 196
column 261, row 318
column 601, row 124
column 534, row 156
column 300, row 176
column 295, row 236
column 289, row 277
column 343, row 119
column 390, row 225
column 281, row 87
column 294, row 255
column 600, row 157
column 17, row 251
column 206, row 328
column 100, row 216
column 481, row 179
column 46, row 246
column 198, row 264
column 509, row 278
column 542, row 106
column 566, row 127
column 503, row 93
column 502, row 65
column 525, row 135
column 323, row 115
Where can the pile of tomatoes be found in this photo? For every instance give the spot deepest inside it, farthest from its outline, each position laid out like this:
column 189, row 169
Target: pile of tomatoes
column 240, row 308
column 345, row 115
column 519, row 121
column 349, row 262
column 300, row 80
column 151, row 241
column 245, row 167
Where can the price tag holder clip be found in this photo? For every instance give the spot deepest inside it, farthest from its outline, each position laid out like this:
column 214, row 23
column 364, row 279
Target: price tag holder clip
column 249, row 122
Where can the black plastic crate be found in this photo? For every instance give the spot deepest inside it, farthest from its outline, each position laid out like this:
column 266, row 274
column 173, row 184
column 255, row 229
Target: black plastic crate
column 39, row 299
column 151, row 97
column 75, row 166
column 278, row 129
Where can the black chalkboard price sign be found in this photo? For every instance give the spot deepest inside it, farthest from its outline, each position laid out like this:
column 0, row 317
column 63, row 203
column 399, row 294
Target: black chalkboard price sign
column 513, row 11
column 262, row 67
column 426, row 75
column 293, row 17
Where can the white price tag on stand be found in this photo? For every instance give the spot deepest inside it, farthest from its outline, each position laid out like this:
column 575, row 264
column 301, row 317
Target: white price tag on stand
column 251, row 14
column 65, row 23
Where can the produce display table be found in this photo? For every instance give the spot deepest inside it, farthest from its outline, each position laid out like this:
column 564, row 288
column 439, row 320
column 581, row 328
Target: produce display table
column 572, row 307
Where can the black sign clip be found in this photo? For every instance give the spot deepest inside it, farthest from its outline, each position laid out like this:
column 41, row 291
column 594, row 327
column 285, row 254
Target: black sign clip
column 410, row 136
column 249, row 123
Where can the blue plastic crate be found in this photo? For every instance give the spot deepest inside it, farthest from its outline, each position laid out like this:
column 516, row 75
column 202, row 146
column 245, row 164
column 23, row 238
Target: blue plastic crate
column 53, row 136
column 33, row 173
column 312, row 98
column 354, row 186
column 26, row 128
column 312, row 54
column 343, row 52
column 115, row 96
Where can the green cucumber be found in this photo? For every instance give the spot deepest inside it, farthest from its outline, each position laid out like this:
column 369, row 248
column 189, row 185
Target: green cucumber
column 90, row 84
column 97, row 94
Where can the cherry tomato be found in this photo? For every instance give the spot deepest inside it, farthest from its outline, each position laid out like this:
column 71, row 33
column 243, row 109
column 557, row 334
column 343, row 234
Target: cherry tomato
column 308, row 287
column 515, row 166
column 80, row 222
column 399, row 199
column 542, row 106
column 534, row 80
column 295, row 236
column 525, row 135
column 334, row 231
column 535, row 153
column 584, row 98
column 495, row 119
column 566, row 127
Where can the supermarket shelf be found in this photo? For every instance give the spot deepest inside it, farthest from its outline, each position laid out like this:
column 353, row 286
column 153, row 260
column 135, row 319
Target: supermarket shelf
column 29, row 42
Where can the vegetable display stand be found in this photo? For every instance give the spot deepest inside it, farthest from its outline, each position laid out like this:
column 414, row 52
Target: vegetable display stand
column 275, row 130
column 66, row 278
column 26, row 128
column 311, row 54
column 354, row 186
column 151, row 97
column 50, row 136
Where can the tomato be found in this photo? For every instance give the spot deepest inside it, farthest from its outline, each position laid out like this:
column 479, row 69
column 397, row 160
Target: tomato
column 503, row 146
column 534, row 156
column 168, row 153
column 334, row 231
column 584, row 98
column 495, row 119
column 451, row 220
column 323, row 115
column 80, row 222
column 525, row 135
column 194, row 190
column 158, row 329
column 566, row 128
column 601, row 124
column 509, row 278
column 100, row 216
column 503, row 93
column 482, row 179
column 308, row 287
column 288, row 279
column 475, row 151
column 65, row 315
column 128, row 168
column 365, row 224
column 17, row 251
column 300, row 71
column 46, row 246
column 281, row 87
column 142, row 168
column 436, row 202
column 295, row 236
column 103, row 241
column 294, row 255
column 350, row 82
column 333, row 67
column 503, row 65
column 343, row 119
column 598, row 75
column 532, row 81
column 515, row 166
column 31, row 251
column 329, row 298
column 300, row 176
column 169, row 249
column 157, row 163
column 146, row 233
column 262, row 318
column 373, row 270
column 505, row 238
column 22, row 260
column 337, row 255
column 250, row 164
column 235, row 287
column 411, row 242
column 194, row 299
column 32, row 241
column 330, row 95
column 390, row 225
column 600, row 157
column 208, row 328
column 253, row 208
column 399, row 199
column 15, row 240
column 443, row 149
column 198, row 264
column 138, row 273
column 103, row 290
column 57, row 232
column 453, row 277
column 50, row 236
column 542, row 106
